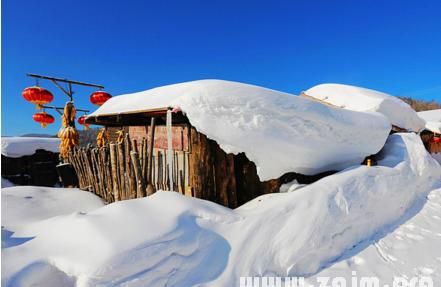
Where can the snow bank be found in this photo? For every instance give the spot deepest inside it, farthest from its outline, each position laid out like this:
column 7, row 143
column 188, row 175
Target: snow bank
column 411, row 249
column 279, row 132
column 433, row 120
column 360, row 99
column 21, row 146
column 169, row 239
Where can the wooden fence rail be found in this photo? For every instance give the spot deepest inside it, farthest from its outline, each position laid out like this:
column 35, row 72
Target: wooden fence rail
column 127, row 170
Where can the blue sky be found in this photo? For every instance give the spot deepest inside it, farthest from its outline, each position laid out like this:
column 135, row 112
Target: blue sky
column 129, row 46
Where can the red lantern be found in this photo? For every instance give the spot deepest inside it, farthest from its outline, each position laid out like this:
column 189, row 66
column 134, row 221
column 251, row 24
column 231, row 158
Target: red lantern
column 82, row 121
column 99, row 97
column 43, row 118
column 38, row 96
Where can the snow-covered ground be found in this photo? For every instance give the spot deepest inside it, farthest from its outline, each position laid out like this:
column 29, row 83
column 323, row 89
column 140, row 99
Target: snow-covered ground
column 360, row 99
column 279, row 132
column 21, row 146
column 412, row 248
column 381, row 220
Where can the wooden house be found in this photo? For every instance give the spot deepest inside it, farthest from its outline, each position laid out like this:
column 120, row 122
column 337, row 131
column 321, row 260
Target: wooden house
column 153, row 145
column 200, row 167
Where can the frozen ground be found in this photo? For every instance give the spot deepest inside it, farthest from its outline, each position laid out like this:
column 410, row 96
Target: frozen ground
column 381, row 220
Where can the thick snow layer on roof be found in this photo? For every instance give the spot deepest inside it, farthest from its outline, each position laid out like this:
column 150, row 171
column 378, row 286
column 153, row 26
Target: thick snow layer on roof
column 279, row 132
column 433, row 120
column 360, row 99
column 21, row 146
column 171, row 240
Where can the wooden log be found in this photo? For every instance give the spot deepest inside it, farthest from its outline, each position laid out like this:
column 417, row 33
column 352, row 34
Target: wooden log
column 150, row 151
column 140, row 188
column 88, row 169
column 102, row 185
column 130, row 174
column 114, row 166
column 159, row 181
column 95, row 169
column 144, row 159
column 121, row 171
column 104, row 151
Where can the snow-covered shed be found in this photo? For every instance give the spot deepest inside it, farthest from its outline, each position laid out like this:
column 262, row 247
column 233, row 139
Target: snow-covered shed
column 400, row 114
column 431, row 135
column 232, row 142
column 30, row 160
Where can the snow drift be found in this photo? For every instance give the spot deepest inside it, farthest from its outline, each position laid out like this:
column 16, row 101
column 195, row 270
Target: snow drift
column 433, row 120
column 279, row 132
column 360, row 99
column 21, row 146
column 169, row 239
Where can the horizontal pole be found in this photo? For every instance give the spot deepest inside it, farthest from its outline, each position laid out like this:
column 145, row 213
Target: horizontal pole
column 64, row 80
column 62, row 108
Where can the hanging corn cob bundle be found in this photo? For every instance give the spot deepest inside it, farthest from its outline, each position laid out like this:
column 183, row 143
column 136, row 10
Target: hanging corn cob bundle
column 68, row 134
column 101, row 138
column 120, row 134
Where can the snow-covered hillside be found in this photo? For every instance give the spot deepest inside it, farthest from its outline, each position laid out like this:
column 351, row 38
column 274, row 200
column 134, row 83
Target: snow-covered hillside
column 279, row 132
column 360, row 99
column 21, row 146
column 171, row 240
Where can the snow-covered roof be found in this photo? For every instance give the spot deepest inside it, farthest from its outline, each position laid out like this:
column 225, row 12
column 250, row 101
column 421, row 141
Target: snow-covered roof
column 433, row 120
column 279, row 132
column 354, row 98
column 21, row 146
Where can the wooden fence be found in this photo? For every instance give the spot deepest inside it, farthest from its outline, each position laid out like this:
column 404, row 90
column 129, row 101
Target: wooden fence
column 129, row 169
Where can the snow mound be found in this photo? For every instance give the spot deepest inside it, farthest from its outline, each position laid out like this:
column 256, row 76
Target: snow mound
column 433, row 120
column 25, row 204
column 360, row 99
column 21, row 146
column 279, row 132
column 411, row 249
column 172, row 240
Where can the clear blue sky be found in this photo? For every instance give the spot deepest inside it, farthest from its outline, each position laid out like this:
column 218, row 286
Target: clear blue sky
column 129, row 46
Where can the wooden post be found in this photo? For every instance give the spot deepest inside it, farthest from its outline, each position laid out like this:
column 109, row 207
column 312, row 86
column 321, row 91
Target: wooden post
column 150, row 187
column 129, row 169
column 170, row 148
column 114, row 165
column 122, row 175
column 138, row 174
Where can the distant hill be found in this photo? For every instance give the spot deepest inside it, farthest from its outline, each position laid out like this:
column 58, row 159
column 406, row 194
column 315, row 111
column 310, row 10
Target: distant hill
column 420, row 105
column 39, row 135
